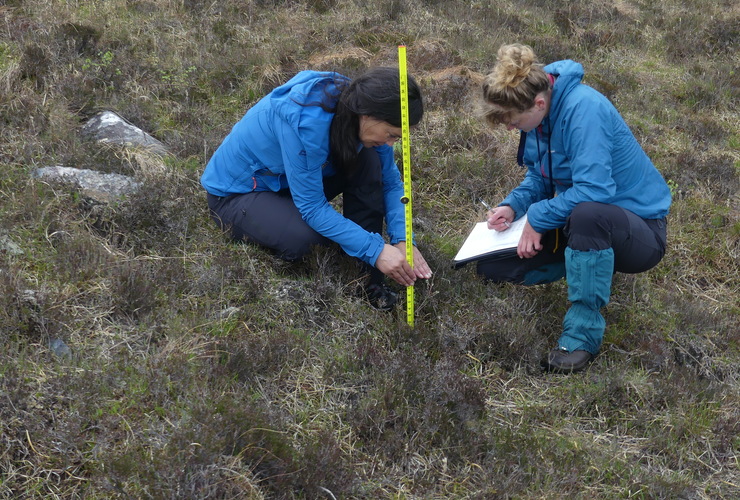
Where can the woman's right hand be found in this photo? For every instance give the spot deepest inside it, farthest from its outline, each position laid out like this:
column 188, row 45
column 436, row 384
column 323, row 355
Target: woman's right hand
column 500, row 218
column 392, row 262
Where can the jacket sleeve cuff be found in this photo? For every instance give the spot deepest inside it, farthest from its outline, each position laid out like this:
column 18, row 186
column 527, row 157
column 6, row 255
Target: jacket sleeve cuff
column 371, row 257
column 517, row 213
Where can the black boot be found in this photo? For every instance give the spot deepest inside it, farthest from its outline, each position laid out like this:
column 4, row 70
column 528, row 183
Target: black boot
column 377, row 292
column 559, row 360
column 381, row 297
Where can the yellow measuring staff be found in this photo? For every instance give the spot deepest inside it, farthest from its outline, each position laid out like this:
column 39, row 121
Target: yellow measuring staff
column 406, row 200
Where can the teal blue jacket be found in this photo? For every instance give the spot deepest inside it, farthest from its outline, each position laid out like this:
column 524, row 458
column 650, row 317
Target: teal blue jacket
column 283, row 142
column 595, row 157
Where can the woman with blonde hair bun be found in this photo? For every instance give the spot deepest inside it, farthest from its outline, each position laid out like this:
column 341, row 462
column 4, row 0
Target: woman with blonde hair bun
column 595, row 204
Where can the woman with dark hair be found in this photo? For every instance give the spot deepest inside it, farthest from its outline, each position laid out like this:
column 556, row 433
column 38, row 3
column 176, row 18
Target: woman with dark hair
column 594, row 202
column 318, row 135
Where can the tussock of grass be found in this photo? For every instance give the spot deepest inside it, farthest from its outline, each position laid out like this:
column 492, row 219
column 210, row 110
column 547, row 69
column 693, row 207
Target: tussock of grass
column 201, row 368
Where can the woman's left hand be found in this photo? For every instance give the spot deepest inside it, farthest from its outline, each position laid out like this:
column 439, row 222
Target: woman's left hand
column 530, row 243
column 421, row 269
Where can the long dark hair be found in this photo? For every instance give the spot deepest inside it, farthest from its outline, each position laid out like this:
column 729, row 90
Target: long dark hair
column 375, row 93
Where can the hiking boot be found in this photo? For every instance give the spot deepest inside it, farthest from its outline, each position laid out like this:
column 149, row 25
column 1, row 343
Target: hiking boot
column 559, row 360
column 381, row 297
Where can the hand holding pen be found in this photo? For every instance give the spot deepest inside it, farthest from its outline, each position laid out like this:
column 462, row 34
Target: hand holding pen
column 499, row 218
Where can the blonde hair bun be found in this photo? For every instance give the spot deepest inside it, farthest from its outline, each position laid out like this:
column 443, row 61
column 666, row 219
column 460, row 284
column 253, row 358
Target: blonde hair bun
column 513, row 84
column 513, row 65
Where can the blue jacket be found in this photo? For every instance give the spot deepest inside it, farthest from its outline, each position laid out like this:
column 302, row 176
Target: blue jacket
column 595, row 157
column 280, row 142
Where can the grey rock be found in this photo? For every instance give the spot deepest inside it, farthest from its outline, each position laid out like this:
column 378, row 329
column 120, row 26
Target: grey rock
column 101, row 187
column 107, row 126
column 8, row 246
column 29, row 298
column 60, row 349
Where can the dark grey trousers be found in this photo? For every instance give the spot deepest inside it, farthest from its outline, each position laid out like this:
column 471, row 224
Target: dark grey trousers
column 639, row 244
column 272, row 220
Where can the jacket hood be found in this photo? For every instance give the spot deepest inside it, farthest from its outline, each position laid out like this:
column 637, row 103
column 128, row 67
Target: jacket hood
column 306, row 87
column 569, row 75
column 296, row 102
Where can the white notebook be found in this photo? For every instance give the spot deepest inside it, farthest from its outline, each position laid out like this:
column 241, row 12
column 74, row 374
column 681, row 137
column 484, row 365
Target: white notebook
column 483, row 242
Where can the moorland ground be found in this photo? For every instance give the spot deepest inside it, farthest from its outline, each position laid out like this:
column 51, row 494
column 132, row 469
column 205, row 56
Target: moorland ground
column 199, row 368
